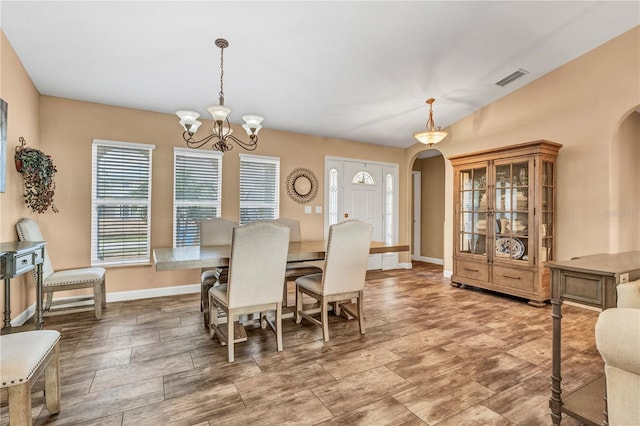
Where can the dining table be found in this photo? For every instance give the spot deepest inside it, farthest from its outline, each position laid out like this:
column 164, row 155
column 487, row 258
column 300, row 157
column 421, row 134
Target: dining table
column 203, row 257
column 207, row 257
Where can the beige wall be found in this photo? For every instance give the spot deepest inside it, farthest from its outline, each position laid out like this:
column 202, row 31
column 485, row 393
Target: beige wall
column 22, row 97
column 65, row 129
column 68, row 128
column 432, row 171
column 580, row 105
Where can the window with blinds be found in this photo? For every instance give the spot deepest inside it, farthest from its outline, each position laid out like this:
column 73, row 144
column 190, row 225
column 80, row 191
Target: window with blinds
column 259, row 188
column 197, row 192
column 120, row 203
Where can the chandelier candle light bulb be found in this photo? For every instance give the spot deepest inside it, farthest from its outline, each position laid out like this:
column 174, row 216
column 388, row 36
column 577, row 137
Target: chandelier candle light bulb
column 221, row 136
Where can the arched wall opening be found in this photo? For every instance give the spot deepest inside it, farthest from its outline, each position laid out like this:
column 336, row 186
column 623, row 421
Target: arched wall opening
column 428, row 207
column 624, row 185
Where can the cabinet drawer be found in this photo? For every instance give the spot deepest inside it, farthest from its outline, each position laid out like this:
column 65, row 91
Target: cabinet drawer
column 21, row 264
column 514, row 278
column 473, row 270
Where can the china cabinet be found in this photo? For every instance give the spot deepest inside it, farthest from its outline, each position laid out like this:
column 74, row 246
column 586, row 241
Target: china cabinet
column 504, row 219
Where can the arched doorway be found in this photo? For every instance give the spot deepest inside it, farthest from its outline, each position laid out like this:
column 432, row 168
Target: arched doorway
column 624, row 192
column 427, row 207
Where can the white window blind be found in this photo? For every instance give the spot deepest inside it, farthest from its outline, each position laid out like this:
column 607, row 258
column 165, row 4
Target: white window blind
column 121, row 203
column 197, row 192
column 259, row 188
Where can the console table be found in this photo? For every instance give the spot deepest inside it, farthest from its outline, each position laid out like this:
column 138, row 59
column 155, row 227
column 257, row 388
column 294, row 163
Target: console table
column 588, row 280
column 17, row 258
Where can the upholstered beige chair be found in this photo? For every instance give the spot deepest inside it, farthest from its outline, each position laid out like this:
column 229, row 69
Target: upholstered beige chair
column 343, row 277
column 296, row 270
column 70, row 279
column 256, row 272
column 25, row 356
column 618, row 340
column 213, row 232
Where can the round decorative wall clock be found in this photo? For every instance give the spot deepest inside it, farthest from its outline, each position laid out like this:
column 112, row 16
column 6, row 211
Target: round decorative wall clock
column 302, row 185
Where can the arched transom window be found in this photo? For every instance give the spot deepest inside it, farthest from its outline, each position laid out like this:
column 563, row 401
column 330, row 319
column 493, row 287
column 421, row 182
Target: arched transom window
column 364, row 178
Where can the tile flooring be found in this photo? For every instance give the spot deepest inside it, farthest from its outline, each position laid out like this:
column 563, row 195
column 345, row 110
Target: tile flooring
column 432, row 354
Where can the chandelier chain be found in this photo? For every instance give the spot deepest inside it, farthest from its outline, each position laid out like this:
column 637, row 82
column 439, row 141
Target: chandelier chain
column 221, row 94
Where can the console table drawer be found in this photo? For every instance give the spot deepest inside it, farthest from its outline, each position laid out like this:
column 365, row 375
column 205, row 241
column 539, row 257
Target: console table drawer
column 585, row 288
column 20, row 264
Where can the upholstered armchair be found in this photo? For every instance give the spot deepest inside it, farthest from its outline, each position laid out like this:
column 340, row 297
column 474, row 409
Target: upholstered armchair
column 618, row 340
column 257, row 265
column 213, row 232
column 63, row 280
column 344, row 274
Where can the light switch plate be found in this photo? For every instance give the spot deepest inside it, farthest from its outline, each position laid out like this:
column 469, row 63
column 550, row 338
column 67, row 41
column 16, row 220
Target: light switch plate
column 318, row 209
column 307, row 209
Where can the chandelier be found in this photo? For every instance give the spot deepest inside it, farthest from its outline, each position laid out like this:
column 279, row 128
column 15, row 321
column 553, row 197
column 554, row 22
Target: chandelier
column 433, row 134
column 221, row 137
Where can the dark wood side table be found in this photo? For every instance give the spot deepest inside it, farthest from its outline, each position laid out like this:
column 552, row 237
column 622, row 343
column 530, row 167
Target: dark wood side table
column 17, row 258
column 588, row 280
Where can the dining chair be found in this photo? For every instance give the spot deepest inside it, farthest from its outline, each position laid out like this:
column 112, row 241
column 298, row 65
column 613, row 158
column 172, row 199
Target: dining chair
column 343, row 278
column 296, row 270
column 256, row 271
column 213, row 232
column 63, row 280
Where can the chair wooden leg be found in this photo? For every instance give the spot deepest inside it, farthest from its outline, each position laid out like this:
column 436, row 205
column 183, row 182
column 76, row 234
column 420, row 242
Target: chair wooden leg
column 211, row 317
column 361, row 311
column 97, row 299
column 279, row 327
column 230, row 336
column 20, row 404
column 284, row 292
column 298, row 305
column 324, row 315
column 104, row 293
column 47, row 304
column 204, row 303
column 52, row 382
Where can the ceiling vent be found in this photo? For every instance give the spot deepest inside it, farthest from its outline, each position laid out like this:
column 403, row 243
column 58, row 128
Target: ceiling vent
column 512, row 77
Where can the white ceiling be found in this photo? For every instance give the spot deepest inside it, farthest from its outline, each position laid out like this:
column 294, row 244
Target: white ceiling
column 353, row 70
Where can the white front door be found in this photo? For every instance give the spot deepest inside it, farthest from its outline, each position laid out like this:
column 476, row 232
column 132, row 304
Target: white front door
column 363, row 191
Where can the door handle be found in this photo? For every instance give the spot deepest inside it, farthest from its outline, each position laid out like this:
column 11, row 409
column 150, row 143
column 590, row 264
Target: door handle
column 346, row 215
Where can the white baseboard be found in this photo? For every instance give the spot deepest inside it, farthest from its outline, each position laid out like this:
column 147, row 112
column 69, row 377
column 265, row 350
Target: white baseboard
column 119, row 296
column 429, row 260
column 447, row 274
column 406, row 265
column 24, row 316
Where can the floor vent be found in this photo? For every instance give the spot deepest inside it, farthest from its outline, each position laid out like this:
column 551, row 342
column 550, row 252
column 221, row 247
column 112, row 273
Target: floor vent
column 512, row 77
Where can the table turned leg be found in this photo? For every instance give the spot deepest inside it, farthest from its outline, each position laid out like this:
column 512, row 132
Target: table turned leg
column 39, row 317
column 555, row 403
column 7, row 303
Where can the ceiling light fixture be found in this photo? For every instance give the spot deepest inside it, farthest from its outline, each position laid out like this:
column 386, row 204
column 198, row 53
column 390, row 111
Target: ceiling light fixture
column 222, row 132
column 433, row 134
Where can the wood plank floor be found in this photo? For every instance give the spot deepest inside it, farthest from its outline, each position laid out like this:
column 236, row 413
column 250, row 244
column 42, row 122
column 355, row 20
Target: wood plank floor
column 432, row 354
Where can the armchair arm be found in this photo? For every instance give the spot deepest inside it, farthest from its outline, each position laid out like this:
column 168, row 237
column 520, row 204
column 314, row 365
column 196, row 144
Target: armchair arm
column 629, row 295
column 618, row 338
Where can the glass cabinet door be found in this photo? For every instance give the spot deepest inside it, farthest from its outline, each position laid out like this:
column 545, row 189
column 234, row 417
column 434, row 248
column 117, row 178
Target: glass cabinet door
column 511, row 208
column 473, row 211
column 547, row 233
